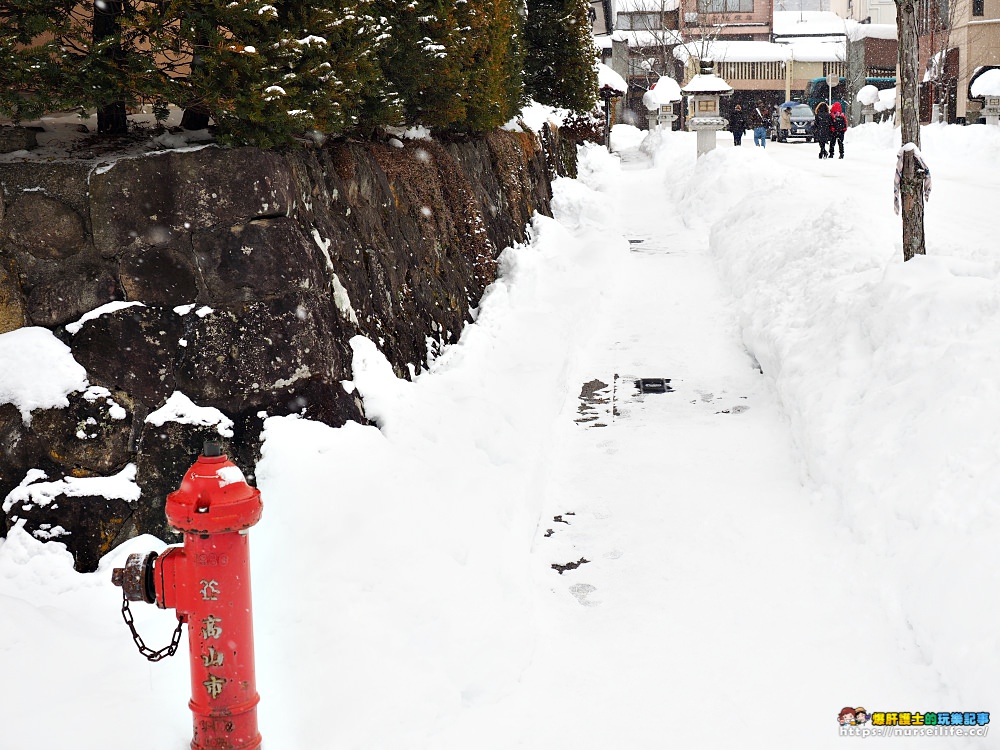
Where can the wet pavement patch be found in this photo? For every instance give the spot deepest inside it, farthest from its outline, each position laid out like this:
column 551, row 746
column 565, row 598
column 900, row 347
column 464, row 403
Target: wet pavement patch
column 569, row 566
column 581, row 591
column 595, row 395
column 738, row 409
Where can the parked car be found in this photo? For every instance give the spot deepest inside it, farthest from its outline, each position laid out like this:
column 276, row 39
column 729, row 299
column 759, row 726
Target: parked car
column 818, row 90
column 802, row 122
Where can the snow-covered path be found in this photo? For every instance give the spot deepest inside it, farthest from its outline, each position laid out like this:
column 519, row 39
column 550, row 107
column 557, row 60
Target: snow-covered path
column 717, row 586
column 762, row 549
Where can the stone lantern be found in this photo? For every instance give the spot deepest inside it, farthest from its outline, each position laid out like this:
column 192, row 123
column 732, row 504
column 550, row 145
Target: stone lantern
column 991, row 110
column 987, row 85
column 659, row 102
column 704, row 93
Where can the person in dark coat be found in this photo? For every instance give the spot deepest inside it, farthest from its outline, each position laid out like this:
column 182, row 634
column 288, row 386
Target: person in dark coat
column 759, row 121
column 737, row 124
column 822, row 126
column 838, row 128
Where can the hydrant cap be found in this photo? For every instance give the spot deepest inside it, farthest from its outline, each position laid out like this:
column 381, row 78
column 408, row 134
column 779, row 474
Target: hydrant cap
column 214, row 498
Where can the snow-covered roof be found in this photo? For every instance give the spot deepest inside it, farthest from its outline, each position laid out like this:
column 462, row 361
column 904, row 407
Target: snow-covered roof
column 649, row 6
column 707, row 84
column 988, row 84
column 607, row 77
column 816, row 51
column 665, row 91
column 735, row 52
column 856, row 30
column 808, row 23
column 803, row 51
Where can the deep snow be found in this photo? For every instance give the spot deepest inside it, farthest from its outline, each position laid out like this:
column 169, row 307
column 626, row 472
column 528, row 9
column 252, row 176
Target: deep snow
column 807, row 521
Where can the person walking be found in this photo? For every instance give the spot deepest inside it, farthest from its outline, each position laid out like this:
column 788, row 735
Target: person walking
column 758, row 121
column 822, row 128
column 784, row 123
column 839, row 120
column 738, row 124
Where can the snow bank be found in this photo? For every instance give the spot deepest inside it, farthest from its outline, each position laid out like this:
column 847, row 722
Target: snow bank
column 37, row 371
column 423, row 525
column 885, row 369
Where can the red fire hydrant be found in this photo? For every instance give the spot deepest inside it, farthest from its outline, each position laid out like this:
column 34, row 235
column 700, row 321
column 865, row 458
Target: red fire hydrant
column 207, row 580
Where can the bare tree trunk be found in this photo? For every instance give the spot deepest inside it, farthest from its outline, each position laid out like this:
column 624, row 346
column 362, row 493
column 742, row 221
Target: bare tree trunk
column 196, row 112
column 911, row 185
column 111, row 116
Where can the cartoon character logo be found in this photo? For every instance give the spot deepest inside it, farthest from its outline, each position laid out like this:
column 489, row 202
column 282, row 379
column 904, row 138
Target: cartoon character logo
column 860, row 716
column 846, row 716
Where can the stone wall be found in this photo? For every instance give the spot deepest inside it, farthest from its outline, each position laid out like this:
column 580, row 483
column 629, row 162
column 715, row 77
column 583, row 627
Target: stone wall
column 292, row 253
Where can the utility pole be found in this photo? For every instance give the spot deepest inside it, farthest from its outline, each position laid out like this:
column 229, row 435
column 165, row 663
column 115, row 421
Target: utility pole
column 911, row 184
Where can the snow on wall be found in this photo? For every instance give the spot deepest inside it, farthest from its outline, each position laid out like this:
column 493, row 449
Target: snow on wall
column 179, row 408
column 37, row 371
column 97, row 312
column 32, row 491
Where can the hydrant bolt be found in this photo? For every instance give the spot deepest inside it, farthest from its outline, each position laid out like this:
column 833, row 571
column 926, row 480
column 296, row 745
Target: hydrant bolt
column 136, row 578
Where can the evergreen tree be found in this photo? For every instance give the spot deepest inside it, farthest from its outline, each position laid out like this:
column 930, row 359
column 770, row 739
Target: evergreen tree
column 494, row 89
column 30, row 56
column 559, row 66
column 328, row 62
column 57, row 54
column 107, row 56
column 427, row 59
column 266, row 74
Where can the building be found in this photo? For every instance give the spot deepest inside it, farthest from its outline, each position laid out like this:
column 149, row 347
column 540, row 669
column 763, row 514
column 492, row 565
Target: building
column 763, row 48
column 769, row 71
column 865, row 11
column 958, row 40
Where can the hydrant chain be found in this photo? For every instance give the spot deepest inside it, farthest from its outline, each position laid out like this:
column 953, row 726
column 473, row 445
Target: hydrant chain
column 140, row 644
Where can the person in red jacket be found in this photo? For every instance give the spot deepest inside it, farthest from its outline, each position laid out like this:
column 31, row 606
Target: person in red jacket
column 838, row 126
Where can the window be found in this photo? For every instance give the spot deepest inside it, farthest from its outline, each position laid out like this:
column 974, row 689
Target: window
column 639, row 21
column 725, row 6
column 977, row 7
